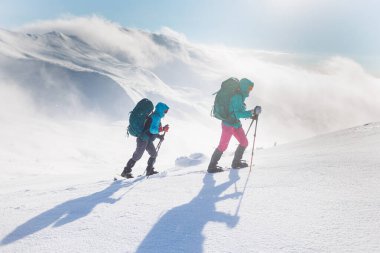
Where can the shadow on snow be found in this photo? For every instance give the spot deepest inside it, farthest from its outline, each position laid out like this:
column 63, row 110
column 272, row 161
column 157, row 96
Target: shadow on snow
column 66, row 212
column 180, row 229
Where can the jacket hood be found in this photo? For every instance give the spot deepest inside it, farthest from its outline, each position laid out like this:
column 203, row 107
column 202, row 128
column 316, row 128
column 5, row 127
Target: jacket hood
column 244, row 86
column 160, row 109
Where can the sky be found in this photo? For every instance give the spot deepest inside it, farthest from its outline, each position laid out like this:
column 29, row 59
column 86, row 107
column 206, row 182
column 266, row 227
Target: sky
column 317, row 28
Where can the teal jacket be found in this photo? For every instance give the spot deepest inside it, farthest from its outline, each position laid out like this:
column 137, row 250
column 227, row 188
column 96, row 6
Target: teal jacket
column 153, row 124
column 237, row 107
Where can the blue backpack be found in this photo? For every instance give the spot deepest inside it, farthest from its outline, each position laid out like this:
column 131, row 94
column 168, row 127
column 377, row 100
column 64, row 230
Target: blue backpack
column 138, row 117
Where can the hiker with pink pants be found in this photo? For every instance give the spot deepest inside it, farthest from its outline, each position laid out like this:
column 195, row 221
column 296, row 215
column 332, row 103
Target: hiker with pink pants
column 229, row 107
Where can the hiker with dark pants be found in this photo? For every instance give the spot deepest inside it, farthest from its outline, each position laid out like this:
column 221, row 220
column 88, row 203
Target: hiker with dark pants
column 150, row 129
column 229, row 106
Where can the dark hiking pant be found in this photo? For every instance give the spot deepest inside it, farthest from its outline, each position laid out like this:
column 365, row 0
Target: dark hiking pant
column 141, row 147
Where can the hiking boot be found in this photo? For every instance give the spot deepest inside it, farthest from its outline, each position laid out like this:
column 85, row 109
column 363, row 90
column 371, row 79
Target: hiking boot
column 213, row 166
column 238, row 163
column 151, row 172
column 126, row 175
column 215, row 169
column 150, row 169
column 128, row 169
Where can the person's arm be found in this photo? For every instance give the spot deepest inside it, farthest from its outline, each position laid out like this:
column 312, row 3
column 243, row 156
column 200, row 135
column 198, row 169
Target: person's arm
column 238, row 108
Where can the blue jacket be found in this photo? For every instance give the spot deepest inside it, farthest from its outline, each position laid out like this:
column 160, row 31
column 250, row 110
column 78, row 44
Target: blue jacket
column 154, row 122
column 237, row 107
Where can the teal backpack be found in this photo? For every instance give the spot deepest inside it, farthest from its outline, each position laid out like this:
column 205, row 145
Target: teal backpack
column 138, row 117
column 223, row 97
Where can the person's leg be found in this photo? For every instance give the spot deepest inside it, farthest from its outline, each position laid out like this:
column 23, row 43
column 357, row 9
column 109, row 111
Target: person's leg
column 151, row 149
column 128, row 169
column 227, row 132
column 152, row 159
column 218, row 152
column 237, row 162
column 240, row 136
column 140, row 148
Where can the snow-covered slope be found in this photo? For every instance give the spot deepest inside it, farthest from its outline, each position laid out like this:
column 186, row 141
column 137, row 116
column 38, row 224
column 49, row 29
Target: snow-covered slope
column 65, row 71
column 81, row 65
column 67, row 99
column 316, row 195
column 66, row 88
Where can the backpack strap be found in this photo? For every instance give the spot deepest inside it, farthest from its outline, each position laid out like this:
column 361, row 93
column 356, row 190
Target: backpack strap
column 147, row 124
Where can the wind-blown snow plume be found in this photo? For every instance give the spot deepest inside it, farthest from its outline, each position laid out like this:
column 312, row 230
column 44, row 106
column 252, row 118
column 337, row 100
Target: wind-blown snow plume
column 301, row 96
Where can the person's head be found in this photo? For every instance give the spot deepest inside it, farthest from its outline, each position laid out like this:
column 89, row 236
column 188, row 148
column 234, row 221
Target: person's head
column 246, row 86
column 161, row 109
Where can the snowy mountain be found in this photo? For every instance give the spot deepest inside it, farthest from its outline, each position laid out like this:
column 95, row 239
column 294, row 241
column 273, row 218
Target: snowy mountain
column 316, row 195
column 88, row 65
column 68, row 99
column 64, row 71
column 66, row 88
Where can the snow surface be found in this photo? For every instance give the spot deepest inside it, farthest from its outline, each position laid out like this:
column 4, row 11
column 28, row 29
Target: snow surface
column 66, row 91
column 317, row 195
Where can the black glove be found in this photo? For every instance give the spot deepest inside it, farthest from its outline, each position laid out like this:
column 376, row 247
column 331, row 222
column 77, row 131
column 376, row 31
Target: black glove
column 254, row 117
column 257, row 110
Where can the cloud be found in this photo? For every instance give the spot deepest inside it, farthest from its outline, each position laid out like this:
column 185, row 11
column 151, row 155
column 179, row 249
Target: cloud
column 301, row 95
column 16, row 102
column 128, row 45
column 331, row 94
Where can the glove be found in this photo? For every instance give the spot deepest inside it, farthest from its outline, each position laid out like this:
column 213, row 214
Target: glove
column 256, row 111
column 165, row 128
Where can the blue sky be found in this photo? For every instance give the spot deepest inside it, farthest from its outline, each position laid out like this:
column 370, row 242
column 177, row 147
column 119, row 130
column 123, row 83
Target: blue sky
column 312, row 27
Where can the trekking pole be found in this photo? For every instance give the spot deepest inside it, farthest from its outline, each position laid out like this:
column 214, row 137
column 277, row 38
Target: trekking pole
column 249, row 128
column 255, row 113
column 253, row 146
column 158, row 147
column 159, row 143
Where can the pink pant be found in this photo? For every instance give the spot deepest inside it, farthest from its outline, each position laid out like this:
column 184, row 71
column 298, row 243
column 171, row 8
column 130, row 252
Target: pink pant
column 227, row 132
